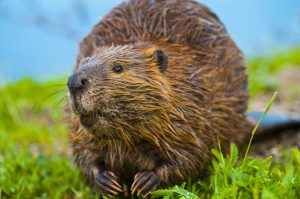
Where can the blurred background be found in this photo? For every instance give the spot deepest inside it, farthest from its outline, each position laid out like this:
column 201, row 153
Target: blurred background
column 39, row 41
column 40, row 38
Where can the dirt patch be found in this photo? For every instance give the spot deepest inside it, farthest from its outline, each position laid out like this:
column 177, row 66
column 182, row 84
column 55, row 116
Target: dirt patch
column 287, row 103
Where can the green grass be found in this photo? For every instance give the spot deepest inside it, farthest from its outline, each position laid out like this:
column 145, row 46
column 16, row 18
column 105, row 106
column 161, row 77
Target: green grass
column 229, row 178
column 34, row 160
column 33, row 144
column 262, row 69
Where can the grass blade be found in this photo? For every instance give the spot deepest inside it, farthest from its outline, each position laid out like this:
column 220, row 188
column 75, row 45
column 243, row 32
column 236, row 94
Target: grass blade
column 257, row 125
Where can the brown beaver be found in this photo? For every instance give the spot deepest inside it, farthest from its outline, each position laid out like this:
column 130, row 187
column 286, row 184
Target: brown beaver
column 158, row 84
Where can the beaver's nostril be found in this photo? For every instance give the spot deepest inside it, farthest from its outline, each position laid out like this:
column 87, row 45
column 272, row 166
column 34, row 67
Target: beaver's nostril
column 84, row 81
column 77, row 82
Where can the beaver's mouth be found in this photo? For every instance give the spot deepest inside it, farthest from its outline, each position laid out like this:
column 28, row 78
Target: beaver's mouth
column 75, row 103
column 88, row 120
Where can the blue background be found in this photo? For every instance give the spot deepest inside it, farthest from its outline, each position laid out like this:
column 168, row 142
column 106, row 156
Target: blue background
column 40, row 38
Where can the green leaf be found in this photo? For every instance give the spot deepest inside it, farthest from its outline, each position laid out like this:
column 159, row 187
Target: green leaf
column 233, row 155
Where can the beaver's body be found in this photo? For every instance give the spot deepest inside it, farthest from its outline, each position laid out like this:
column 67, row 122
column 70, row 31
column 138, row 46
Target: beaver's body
column 163, row 85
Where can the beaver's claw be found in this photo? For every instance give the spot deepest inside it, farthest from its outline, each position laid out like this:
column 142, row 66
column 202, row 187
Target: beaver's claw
column 144, row 183
column 107, row 183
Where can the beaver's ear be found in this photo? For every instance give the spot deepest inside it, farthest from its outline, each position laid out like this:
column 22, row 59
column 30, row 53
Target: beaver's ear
column 161, row 59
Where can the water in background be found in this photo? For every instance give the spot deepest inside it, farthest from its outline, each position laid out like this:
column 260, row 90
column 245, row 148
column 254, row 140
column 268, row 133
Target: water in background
column 40, row 38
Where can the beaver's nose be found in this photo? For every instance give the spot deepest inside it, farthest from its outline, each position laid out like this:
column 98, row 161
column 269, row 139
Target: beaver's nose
column 77, row 82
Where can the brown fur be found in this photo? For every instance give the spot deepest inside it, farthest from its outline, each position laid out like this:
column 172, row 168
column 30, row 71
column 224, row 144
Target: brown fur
column 152, row 120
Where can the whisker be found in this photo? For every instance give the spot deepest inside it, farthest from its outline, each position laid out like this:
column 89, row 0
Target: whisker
column 57, row 104
column 44, row 99
column 57, row 85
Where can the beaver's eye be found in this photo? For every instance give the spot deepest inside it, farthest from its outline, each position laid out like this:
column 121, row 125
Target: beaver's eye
column 118, row 69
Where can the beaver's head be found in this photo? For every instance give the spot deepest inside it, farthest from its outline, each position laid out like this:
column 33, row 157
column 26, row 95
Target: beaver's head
column 118, row 85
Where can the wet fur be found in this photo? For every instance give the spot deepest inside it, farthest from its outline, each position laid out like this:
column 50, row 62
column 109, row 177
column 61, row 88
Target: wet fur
column 152, row 120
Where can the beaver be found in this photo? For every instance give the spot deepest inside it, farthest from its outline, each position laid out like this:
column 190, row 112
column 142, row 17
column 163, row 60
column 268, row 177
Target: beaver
column 157, row 85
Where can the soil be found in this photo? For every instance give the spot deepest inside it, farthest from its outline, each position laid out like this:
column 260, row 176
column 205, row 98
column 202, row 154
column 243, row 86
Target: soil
column 288, row 103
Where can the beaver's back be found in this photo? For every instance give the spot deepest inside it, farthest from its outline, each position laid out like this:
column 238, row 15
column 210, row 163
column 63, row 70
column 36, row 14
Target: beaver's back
column 177, row 21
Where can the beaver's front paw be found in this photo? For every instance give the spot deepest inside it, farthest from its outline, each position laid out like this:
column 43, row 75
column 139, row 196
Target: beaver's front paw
column 144, row 183
column 107, row 183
